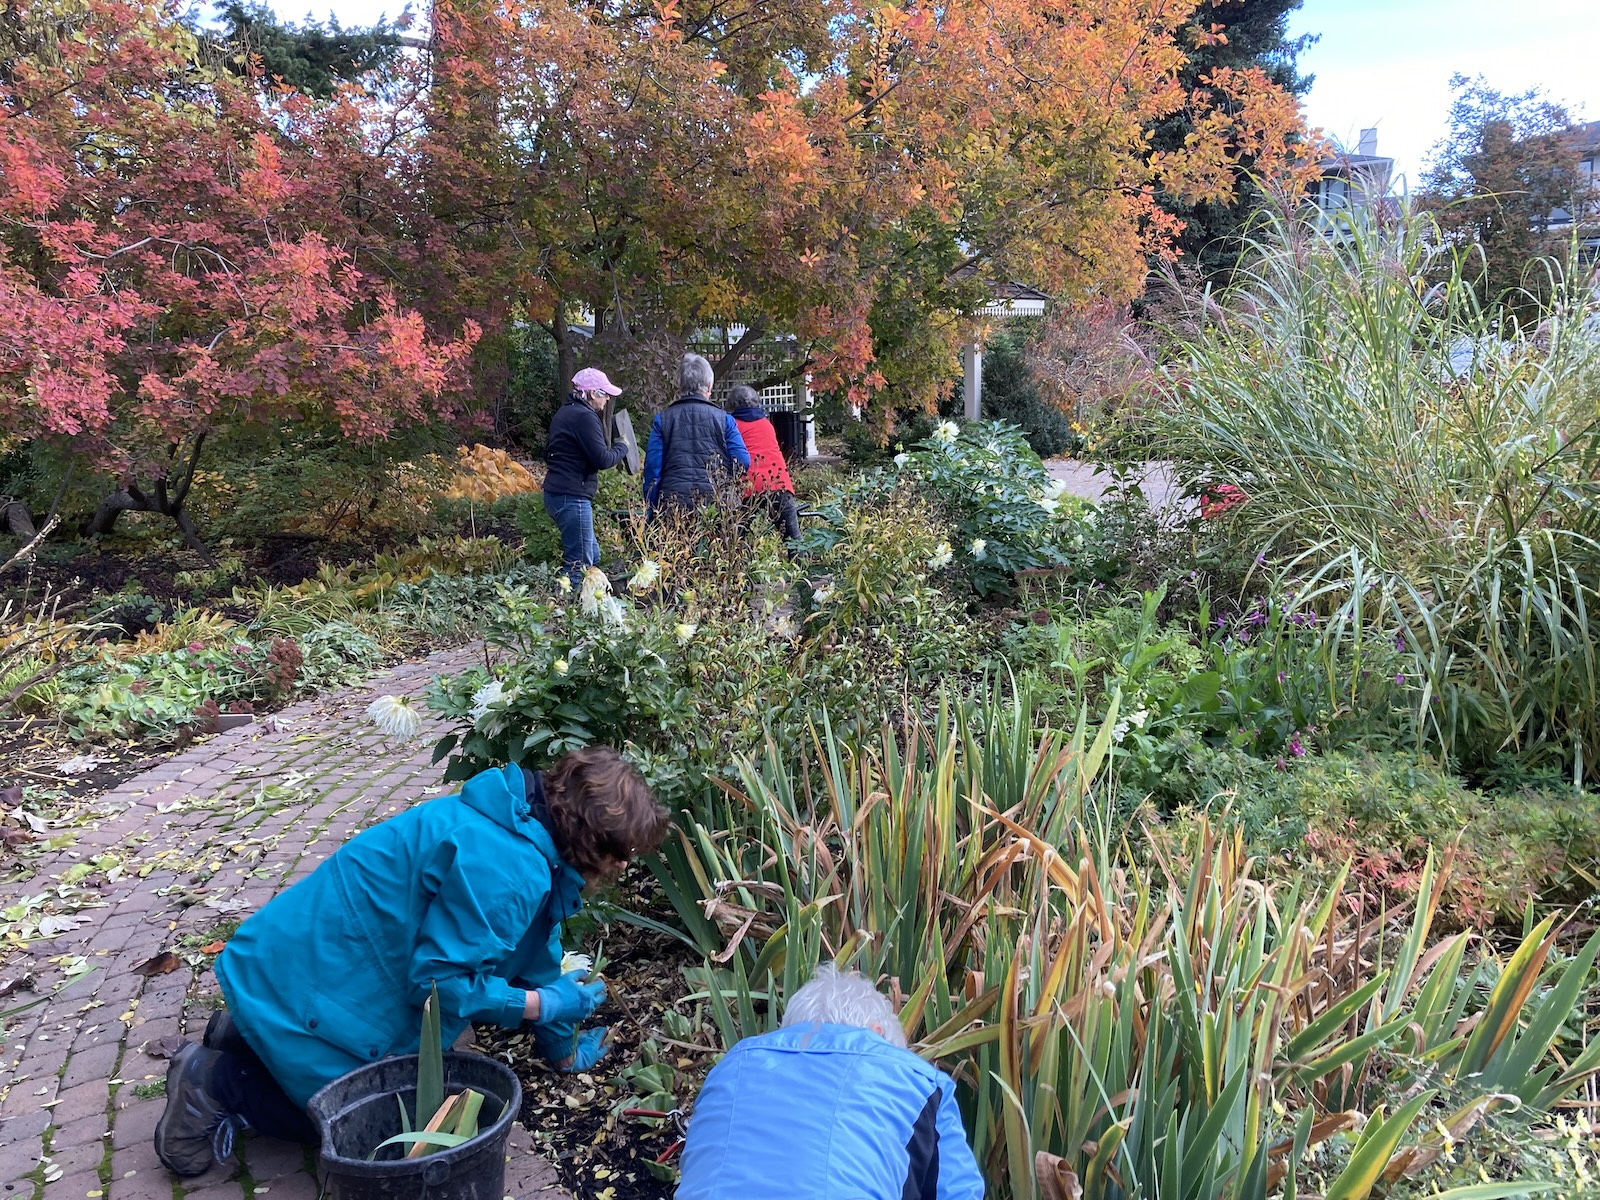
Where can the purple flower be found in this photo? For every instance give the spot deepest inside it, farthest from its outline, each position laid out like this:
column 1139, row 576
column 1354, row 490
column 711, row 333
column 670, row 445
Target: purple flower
column 1261, row 560
column 1400, row 677
column 1283, row 677
column 1295, row 748
column 1400, row 642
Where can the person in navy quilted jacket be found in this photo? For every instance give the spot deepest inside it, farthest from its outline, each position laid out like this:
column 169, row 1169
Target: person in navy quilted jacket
column 830, row 1107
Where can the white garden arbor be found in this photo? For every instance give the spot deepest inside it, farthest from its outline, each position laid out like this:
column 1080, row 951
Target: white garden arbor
column 1011, row 301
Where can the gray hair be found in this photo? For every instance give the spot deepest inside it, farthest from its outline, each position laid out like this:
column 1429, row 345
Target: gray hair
column 742, row 395
column 835, row 997
column 694, row 375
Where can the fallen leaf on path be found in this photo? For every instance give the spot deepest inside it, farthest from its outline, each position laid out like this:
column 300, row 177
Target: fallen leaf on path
column 163, row 1047
column 213, row 948
column 11, row 795
column 162, row 964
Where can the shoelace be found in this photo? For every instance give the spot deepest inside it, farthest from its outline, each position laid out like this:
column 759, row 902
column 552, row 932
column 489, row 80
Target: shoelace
column 222, row 1139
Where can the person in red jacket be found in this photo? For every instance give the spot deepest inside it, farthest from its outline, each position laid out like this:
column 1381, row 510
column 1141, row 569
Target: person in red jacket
column 767, row 482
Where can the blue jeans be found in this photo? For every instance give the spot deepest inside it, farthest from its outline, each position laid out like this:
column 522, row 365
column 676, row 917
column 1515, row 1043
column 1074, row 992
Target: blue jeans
column 574, row 517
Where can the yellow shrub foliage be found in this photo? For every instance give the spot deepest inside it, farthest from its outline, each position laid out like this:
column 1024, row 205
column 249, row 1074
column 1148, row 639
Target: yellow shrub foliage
column 486, row 475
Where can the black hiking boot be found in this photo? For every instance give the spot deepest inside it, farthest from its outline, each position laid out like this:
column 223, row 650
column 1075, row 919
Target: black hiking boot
column 195, row 1131
column 222, row 1034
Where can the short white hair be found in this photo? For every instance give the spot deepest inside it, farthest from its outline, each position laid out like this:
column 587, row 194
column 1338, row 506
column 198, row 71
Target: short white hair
column 695, row 375
column 835, row 997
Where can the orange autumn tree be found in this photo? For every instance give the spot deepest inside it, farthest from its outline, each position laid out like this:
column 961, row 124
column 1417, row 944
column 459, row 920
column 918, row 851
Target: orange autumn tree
column 859, row 174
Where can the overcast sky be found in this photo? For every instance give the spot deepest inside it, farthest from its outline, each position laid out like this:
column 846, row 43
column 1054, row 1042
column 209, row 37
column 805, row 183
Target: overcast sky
column 1387, row 63
column 1380, row 63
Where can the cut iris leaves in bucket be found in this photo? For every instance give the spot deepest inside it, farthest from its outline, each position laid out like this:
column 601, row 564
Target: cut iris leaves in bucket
column 454, row 1118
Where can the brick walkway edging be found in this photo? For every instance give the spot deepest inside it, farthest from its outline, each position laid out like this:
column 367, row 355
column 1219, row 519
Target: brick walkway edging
column 203, row 838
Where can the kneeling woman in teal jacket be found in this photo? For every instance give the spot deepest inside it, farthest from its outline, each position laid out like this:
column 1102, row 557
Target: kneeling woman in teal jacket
column 465, row 893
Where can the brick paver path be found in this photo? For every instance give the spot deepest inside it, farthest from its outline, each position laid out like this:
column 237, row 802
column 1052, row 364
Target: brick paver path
column 202, row 839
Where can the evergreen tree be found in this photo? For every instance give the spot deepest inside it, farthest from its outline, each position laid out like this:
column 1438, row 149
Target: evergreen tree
column 310, row 57
column 1253, row 33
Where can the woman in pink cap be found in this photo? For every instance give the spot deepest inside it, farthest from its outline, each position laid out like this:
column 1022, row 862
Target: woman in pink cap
column 575, row 453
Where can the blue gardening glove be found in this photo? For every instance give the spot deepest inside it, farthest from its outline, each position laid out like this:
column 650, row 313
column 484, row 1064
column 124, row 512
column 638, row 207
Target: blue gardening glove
column 569, row 1000
column 555, row 1043
column 567, row 1050
column 591, row 1048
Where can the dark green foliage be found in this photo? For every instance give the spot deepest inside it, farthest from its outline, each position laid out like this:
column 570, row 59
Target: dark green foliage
column 310, row 57
column 1257, row 33
column 531, row 393
column 541, row 540
column 1009, row 394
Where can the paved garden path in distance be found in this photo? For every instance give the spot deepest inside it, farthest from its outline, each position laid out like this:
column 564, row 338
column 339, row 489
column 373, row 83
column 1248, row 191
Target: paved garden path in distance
column 1155, row 478
column 200, row 840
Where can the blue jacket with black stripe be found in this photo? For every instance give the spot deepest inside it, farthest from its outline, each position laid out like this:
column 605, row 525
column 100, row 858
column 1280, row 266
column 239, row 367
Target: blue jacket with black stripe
column 827, row 1112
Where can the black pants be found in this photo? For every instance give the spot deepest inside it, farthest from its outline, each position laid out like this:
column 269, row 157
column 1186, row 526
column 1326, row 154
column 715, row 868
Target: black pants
column 242, row 1083
column 784, row 512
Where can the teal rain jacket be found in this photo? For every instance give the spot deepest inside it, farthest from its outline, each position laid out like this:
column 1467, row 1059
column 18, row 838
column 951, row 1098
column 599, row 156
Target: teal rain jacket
column 827, row 1112
column 466, row 892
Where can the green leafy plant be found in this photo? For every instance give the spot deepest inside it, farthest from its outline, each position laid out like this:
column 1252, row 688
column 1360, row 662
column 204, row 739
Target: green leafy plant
column 454, row 1118
column 1417, row 473
column 1181, row 1029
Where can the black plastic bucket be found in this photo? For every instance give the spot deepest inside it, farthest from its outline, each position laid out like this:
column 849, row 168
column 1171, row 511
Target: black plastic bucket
column 791, row 430
column 356, row 1112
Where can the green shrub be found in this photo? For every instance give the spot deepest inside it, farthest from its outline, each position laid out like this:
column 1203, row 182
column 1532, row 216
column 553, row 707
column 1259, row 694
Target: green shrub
column 1383, row 813
column 541, row 540
column 1007, row 514
column 1010, row 395
column 1415, row 472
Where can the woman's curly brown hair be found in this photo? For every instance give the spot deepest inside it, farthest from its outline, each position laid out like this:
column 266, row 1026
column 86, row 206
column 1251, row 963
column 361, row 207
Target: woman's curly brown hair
column 601, row 810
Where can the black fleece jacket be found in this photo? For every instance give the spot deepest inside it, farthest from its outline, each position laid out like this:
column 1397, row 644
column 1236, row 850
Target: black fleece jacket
column 576, row 452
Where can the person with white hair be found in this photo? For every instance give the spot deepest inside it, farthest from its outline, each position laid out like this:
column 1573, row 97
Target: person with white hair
column 830, row 1105
column 690, row 439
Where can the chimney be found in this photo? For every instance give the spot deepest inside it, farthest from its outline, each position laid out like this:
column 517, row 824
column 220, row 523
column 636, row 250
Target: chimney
column 1368, row 145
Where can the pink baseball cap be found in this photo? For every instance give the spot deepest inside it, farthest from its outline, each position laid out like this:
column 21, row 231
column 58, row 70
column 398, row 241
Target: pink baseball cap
column 591, row 380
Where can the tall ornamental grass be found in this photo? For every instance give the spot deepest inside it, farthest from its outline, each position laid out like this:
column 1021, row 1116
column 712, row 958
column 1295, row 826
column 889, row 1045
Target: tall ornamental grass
column 1422, row 476
column 1180, row 1030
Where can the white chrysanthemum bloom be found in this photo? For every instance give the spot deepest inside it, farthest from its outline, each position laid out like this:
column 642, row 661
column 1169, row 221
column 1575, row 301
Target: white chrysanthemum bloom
column 946, row 432
column 1055, row 489
column 979, row 548
column 564, row 584
column 942, row 554
column 901, row 459
column 595, row 588
column 783, row 628
column 395, row 717
column 613, row 612
column 646, row 576
column 821, row 595
column 486, row 697
column 1049, row 504
column 559, row 666
column 685, row 631
column 576, row 962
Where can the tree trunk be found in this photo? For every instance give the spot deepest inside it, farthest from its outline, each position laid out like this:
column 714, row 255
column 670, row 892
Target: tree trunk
column 566, row 354
column 17, row 518
column 167, row 501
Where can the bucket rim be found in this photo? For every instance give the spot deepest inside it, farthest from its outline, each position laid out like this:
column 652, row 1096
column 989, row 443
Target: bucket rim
column 500, row 1130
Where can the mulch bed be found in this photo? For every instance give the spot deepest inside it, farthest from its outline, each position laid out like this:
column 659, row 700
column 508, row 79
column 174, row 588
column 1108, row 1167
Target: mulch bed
column 577, row 1120
column 33, row 752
